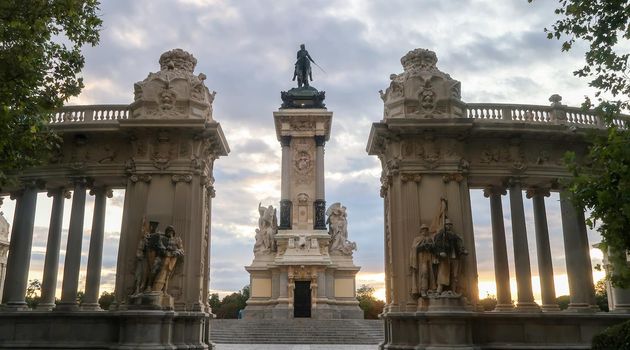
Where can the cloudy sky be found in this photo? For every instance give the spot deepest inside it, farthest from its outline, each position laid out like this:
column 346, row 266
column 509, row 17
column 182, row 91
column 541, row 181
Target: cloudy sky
column 497, row 49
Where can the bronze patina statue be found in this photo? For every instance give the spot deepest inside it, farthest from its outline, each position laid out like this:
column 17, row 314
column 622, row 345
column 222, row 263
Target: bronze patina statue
column 305, row 95
column 303, row 67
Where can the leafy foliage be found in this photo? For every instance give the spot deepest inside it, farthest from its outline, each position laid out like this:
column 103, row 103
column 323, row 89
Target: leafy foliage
column 40, row 59
column 488, row 303
column 230, row 305
column 602, row 183
column 615, row 337
column 105, row 300
column 371, row 306
column 601, row 297
column 563, row 301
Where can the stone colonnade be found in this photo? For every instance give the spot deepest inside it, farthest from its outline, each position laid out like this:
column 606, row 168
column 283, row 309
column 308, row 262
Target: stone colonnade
column 578, row 262
column 21, row 245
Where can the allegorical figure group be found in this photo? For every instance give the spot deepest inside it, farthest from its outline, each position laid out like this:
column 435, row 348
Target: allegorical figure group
column 156, row 257
column 435, row 261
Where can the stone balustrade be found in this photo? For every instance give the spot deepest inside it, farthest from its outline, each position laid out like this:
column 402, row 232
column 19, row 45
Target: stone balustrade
column 90, row 113
column 535, row 114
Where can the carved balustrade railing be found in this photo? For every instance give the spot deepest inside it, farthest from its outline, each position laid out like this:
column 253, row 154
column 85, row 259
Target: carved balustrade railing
column 533, row 114
column 90, row 113
column 539, row 114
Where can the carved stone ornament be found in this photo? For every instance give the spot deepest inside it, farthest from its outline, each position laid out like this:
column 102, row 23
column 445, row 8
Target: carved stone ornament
column 174, row 92
column 303, row 162
column 140, row 177
column 162, row 151
column 422, row 90
column 410, row 177
column 457, row 177
column 181, row 178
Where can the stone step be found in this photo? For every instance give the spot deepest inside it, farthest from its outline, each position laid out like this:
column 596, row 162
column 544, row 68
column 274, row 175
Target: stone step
column 296, row 331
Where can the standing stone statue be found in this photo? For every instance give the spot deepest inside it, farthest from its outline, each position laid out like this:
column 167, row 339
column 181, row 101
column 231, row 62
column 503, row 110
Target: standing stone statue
column 266, row 231
column 449, row 248
column 141, row 271
column 338, row 229
column 172, row 252
column 156, row 256
column 421, row 260
column 303, row 67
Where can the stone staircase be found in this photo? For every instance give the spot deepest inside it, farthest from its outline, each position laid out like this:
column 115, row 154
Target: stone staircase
column 296, row 331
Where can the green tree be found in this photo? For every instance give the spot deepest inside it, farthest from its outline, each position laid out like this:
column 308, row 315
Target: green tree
column 214, row 301
column 33, row 296
column 371, row 306
column 40, row 59
column 230, row 304
column 601, row 182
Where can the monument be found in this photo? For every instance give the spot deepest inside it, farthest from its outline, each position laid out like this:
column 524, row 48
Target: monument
column 303, row 265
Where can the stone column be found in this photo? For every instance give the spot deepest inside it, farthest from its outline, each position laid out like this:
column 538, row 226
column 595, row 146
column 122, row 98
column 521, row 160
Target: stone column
column 319, row 205
column 72, row 264
column 285, row 185
column 545, row 265
column 95, row 257
column 51, row 262
column 578, row 260
column 499, row 249
column 20, row 249
column 525, row 300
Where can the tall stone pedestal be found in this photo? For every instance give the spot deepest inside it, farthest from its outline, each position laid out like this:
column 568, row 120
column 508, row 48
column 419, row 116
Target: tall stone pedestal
column 301, row 268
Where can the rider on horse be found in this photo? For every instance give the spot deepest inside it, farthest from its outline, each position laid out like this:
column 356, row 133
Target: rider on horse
column 303, row 67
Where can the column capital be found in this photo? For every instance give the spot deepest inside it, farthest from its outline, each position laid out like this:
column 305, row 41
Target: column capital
column 320, row 140
column 181, row 178
column 537, row 191
column 140, row 177
column 59, row 191
column 101, row 190
column 494, row 190
column 409, row 177
column 285, row 141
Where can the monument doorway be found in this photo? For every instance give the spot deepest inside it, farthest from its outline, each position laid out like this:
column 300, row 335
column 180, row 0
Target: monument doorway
column 302, row 299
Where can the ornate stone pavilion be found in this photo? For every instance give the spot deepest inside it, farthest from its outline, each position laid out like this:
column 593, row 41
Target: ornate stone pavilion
column 301, row 269
column 161, row 149
column 433, row 149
